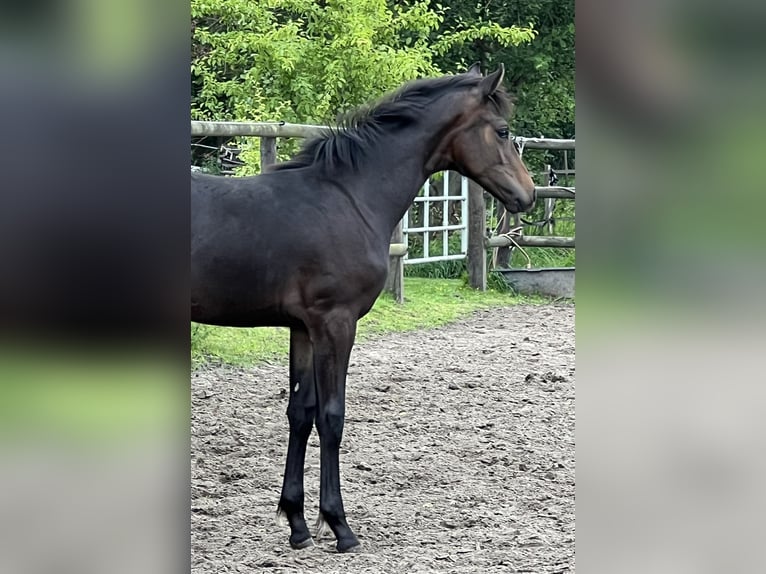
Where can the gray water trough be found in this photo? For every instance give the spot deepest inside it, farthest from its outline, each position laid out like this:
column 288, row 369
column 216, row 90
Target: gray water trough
column 550, row 281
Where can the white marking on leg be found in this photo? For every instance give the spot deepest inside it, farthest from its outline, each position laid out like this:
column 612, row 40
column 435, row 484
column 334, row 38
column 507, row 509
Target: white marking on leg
column 321, row 528
column 297, row 386
column 281, row 517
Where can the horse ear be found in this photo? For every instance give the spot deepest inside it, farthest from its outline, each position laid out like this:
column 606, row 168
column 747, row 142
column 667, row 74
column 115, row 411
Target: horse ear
column 474, row 70
column 493, row 81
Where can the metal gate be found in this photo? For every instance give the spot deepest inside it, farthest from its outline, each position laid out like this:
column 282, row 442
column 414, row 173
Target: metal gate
column 435, row 235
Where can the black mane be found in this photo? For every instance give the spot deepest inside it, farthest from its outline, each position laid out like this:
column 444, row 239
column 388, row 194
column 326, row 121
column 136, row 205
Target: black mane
column 356, row 132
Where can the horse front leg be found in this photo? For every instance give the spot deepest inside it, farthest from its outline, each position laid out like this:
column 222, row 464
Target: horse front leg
column 333, row 336
column 301, row 412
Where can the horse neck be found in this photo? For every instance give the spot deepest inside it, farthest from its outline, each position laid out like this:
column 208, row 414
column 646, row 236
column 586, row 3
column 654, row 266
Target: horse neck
column 389, row 178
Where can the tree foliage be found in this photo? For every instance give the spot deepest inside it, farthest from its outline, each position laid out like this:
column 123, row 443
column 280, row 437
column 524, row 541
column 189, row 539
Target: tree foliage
column 540, row 73
column 305, row 61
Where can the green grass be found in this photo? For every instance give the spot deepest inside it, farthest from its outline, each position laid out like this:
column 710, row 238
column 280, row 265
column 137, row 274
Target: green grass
column 544, row 257
column 428, row 303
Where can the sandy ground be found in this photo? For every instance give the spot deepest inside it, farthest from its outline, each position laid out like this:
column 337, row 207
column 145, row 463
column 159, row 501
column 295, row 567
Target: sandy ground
column 457, row 456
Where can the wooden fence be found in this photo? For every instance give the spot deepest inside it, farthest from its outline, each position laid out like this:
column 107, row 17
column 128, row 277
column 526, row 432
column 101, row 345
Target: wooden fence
column 478, row 244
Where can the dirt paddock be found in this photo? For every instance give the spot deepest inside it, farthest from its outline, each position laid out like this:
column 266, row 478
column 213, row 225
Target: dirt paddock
column 457, row 456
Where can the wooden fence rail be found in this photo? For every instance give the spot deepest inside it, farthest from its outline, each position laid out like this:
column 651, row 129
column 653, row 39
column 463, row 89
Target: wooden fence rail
column 529, row 241
column 545, row 191
column 257, row 129
column 476, row 259
column 286, row 130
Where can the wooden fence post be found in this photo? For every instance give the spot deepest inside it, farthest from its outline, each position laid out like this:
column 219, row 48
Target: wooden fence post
column 476, row 259
column 395, row 280
column 503, row 254
column 268, row 151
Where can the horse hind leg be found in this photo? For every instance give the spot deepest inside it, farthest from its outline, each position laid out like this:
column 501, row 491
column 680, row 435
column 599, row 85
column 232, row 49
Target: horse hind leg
column 301, row 412
column 333, row 336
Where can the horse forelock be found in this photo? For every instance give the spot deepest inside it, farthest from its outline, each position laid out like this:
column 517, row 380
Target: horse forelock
column 356, row 132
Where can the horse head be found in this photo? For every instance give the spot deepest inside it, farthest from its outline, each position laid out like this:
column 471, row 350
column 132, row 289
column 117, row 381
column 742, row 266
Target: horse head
column 479, row 145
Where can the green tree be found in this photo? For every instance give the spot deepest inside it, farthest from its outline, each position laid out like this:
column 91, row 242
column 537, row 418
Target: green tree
column 305, row 61
column 540, row 73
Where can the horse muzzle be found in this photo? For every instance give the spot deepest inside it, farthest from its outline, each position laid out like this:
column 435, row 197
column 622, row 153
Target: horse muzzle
column 521, row 204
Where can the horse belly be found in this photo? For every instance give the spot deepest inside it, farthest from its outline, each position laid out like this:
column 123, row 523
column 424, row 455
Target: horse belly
column 238, row 291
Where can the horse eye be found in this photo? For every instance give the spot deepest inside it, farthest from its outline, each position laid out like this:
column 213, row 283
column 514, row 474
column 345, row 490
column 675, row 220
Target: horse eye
column 503, row 133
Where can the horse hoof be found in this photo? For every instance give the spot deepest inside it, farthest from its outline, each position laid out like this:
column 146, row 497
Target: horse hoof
column 350, row 547
column 309, row 542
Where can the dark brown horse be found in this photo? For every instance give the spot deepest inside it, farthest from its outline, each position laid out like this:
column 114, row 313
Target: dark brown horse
column 305, row 246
